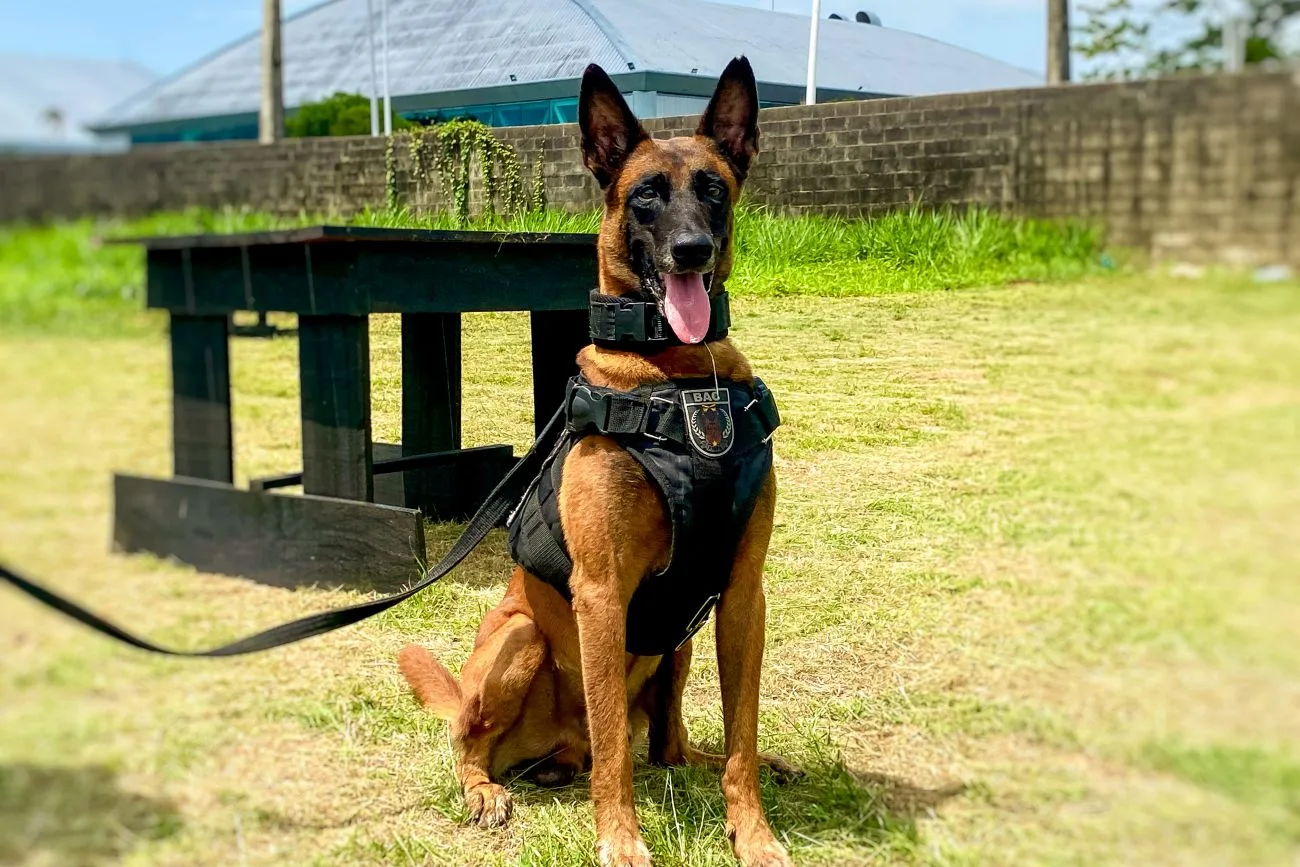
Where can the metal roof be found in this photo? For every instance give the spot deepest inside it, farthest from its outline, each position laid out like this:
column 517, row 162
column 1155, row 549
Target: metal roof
column 31, row 88
column 436, row 46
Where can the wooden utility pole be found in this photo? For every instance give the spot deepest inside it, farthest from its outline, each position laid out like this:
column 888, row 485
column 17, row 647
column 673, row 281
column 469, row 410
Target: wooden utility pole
column 270, row 127
column 1058, row 41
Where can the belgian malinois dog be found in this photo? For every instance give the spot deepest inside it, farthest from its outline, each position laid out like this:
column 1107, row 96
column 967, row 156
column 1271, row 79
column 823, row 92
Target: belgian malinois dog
column 549, row 686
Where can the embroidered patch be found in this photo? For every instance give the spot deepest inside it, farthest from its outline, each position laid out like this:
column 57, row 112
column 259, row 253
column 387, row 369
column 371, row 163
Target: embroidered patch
column 708, row 420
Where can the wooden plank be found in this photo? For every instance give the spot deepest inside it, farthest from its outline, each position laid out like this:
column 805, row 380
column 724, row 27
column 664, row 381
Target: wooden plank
column 557, row 338
column 334, row 369
column 202, row 442
column 389, row 489
column 363, row 277
column 334, row 234
column 285, row 541
column 418, row 278
column 389, row 461
column 431, row 382
column 451, row 486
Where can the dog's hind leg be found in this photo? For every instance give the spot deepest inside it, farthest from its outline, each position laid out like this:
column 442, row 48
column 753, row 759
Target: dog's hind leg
column 669, row 742
column 495, row 684
column 662, row 700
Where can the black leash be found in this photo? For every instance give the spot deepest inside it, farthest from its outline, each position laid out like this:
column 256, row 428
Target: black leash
column 499, row 503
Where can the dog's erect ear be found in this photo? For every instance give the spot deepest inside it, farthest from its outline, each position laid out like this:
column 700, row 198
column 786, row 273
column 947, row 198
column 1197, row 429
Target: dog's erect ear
column 731, row 119
column 609, row 129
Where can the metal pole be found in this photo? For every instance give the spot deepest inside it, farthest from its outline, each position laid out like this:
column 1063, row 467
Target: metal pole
column 374, row 75
column 270, row 122
column 1058, row 41
column 1234, row 43
column 388, row 97
column 810, row 95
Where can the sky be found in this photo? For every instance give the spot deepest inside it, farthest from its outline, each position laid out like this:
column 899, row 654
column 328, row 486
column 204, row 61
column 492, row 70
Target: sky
column 165, row 35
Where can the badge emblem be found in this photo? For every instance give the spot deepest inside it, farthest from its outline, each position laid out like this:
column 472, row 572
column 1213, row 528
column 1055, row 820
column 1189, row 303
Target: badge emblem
column 708, row 420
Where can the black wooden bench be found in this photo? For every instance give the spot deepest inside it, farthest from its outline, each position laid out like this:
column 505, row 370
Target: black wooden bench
column 360, row 520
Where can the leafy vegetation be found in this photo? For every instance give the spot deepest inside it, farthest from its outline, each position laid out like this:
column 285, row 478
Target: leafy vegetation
column 63, row 276
column 453, row 149
column 1135, row 38
column 340, row 114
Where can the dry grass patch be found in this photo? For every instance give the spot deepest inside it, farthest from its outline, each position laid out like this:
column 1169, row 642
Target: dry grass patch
column 1032, row 600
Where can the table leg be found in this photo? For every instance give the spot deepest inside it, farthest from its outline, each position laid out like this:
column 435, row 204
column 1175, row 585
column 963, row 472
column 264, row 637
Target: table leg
column 431, row 382
column 557, row 337
column 202, row 442
column 334, row 370
column 431, row 407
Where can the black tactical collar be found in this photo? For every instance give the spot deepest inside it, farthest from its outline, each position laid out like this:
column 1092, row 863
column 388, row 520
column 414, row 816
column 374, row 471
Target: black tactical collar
column 628, row 323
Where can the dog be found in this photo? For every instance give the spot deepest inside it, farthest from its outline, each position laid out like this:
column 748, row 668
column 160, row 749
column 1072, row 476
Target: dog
column 549, row 687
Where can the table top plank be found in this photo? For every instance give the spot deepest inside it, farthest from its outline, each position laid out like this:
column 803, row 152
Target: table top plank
column 328, row 234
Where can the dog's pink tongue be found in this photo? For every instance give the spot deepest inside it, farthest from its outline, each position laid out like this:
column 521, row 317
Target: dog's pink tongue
column 686, row 305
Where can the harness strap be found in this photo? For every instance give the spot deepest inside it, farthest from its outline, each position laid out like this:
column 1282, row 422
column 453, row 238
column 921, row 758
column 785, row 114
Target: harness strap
column 498, row 504
column 650, row 410
column 534, row 526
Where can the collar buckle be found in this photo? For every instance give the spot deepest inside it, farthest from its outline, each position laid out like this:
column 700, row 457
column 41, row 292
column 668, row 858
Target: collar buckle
column 629, row 324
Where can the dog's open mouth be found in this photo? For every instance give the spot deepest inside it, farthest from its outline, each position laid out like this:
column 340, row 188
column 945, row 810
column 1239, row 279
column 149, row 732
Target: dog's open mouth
column 686, row 305
column 684, row 299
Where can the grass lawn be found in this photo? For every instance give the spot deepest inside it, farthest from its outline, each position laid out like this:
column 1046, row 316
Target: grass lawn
column 1032, row 599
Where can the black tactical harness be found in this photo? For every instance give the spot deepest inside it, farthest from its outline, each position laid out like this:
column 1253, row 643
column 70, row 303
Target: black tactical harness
column 706, row 447
column 705, row 444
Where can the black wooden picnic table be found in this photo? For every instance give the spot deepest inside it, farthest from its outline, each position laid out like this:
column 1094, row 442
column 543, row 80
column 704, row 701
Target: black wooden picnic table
column 360, row 520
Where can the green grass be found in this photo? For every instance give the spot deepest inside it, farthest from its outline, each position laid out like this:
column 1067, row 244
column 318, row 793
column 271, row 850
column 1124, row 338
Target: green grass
column 62, row 277
column 1031, row 600
column 906, row 250
column 1267, row 780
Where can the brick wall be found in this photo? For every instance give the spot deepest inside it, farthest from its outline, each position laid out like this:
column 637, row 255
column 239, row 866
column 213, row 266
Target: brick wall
column 1192, row 168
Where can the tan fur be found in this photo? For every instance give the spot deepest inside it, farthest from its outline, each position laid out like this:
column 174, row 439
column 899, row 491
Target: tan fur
column 549, row 687
column 432, row 684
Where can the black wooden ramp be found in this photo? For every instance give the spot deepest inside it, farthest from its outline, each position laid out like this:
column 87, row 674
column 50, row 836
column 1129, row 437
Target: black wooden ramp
column 282, row 540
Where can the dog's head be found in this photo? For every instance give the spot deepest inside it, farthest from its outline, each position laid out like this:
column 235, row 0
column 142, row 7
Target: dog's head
column 666, row 232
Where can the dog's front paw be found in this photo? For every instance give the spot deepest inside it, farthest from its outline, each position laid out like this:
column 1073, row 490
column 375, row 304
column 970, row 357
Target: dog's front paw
column 759, row 849
column 489, row 805
column 623, row 852
column 783, row 771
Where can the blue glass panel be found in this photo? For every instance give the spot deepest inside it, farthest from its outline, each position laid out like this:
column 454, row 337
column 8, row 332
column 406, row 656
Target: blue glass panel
column 564, row 110
column 509, row 114
column 535, row 112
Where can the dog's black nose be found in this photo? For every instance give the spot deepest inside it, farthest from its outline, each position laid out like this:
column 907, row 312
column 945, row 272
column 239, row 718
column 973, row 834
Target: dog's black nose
column 692, row 251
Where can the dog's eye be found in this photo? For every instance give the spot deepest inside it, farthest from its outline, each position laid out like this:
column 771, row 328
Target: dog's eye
column 645, row 195
column 715, row 190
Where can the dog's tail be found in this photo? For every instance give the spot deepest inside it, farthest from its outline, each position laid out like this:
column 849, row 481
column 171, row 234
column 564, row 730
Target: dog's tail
column 433, row 684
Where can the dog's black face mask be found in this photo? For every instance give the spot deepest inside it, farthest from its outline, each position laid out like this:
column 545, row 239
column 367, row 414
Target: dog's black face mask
column 676, row 234
column 669, row 204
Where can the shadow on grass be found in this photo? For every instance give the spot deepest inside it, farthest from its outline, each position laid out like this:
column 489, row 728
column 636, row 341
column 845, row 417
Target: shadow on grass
column 75, row 815
column 830, row 812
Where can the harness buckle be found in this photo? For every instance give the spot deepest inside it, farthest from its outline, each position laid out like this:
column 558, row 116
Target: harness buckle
column 586, row 408
column 651, row 416
column 765, row 403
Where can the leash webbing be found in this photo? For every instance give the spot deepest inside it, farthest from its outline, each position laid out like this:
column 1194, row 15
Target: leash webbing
column 502, row 499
